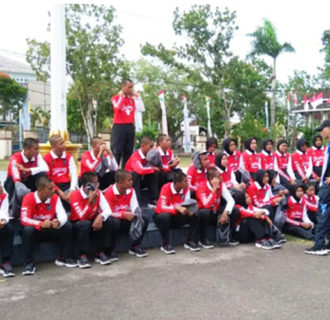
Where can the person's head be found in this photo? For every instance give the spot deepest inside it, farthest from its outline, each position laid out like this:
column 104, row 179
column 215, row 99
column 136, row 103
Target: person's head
column 297, row 191
column 89, row 182
column 96, row 143
column 282, row 146
column 146, row 145
column 229, row 145
column 164, row 141
column 124, row 179
column 204, row 159
column 180, row 180
column 57, row 144
column 31, row 147
column 240, row 199
column 251, row 144
column 1, row 188
column 302, row 145
column 127, row 87
column 310, row 189
column 267, row 145
column 211, row 144
column 318, row 141
column 213, row 173
column 221, row 161
column 262, row 177
column 45, row 187
column 272, row 174
column 324, row 129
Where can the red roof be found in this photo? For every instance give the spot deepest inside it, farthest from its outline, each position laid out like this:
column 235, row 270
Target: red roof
column 4, row 75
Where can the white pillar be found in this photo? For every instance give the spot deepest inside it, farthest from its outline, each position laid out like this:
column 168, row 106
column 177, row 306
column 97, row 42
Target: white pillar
column 58, row 123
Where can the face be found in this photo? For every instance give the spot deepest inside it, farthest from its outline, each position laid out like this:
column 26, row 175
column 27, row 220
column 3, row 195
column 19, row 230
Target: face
column 166, row 143
column 127, row 88
column 304, row 147
column 147, row 147
column 212, row 148
column 253, row 145
column 205, row 161
column 94, row 184
column 269, row 146
column 265, row 179
column 182, row 184
column 97, row 144
column 247, row 199
column 325, row 133
column 59, row 147
column 126, row 183
column 318, row 142
column 224, row 161
column 47, row 191
column 232, row 146
column 299, row 193
column 310, row 191
column 283, row 148
column 32, row 152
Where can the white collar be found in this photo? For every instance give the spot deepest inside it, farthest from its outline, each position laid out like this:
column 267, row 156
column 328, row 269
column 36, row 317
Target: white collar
column 209, row 185
column 266, row 153
column 162, row 153
column 174, row 191
column 38, row 201
column 295, row 201
column 54, row 156
column 281, row 154
column 25, row 159
column 92, row 155
column 249, row 152
column 259, row 186
column 141, row 154
column 300, row 152
column 116, row 191
column 83, row 194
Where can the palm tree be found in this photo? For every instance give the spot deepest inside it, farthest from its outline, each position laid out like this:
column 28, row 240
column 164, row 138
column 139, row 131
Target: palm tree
column 265, row 43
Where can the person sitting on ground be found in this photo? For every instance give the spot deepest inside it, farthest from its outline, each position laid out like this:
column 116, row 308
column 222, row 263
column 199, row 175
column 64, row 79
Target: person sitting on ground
column 170, row 213
column 100, row 160
column 254, row 224
column 316, row 153
column 297, row 222
column 89, row 215
column 211, row 210
column 312, row 202
column 250, row 160
column 24, row 169
column 44, row 218
column 6, row 236
column 62, row 170
column 211, row 146
column 234, row 156
column 143, row 175
column 267, row 158
column 125, row 209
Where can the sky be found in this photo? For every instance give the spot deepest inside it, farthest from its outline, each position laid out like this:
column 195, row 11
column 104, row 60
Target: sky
column 300, row 23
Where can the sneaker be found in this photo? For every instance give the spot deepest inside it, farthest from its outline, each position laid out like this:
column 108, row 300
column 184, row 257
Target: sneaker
column 264, row 244
column 7, row 270
column 206, row 244
column 282, row 240
column 113, row 257
column 137, row 251
column 316, row 251
column 83, row 262
column 66, row 262
column 29, row 269
column 274, row 244
column 102, row 259
column 152, row 204
column 233, row 243
column 167, row 248
column 192, row 246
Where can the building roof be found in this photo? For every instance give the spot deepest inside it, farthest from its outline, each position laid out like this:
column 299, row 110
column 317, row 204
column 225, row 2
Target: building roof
column 322, row 107
column 12, row 66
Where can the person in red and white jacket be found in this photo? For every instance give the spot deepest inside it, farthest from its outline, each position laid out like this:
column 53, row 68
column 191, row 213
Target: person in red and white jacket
column 211, row 146
column 122, row 200
column 312, row 202
column 316, row 152
column 196, row 173
column 250, row 161
column 44, row 218
column 261, row 194
column 123, row 132
column 170, row 213
column 144, row 175
column 89, row 215
column 301, row 162
column 267, row 157
column 211, row 211
column 297, row 222
column 62, row 169
column 6, row 236
column 234, row 156
column 100, row 160
column 169, row 161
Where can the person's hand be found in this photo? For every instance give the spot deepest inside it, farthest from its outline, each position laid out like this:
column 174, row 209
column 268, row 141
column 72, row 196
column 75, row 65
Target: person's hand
column 93, row 197
column 102, row 149
column 175, row 162
column 258, row 214
column 293, row 182
column 284, row 192
column 189, row 213
column 55, row 224
column 223, row 218
column 46, row 224
column 98, row 223
column 243, row 186
column 277, row 200
column 2, row 223
column 22, row 168
column 156, row 169
column 181, row 210
column 215, row 182
column 305, row 179
column 108, row 152
column 306, row 225
column 62, row 195
column 327, row 180
column 269, row 221
column 128, row 215
column 318, row 179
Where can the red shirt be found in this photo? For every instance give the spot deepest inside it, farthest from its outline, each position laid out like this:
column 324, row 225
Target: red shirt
column 317, row 156
column 212, row 158
column 251, row 161
column 195, row 177
column 312, row 202
column 282, row 161
column 169, row 198
column 233, row 160
column 226, row 177
column 206, row 198
column 301, row 162
column 296, row 212
column 120, row 203
column 34, row 211
column 261, row 196
column 88, row 162
column 137, row 162
column 247, row 213
column 123, row 109
column 267, row 160
column 166, row 156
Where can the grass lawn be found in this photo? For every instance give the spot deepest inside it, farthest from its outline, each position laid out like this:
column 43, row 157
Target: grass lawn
column 3, row 165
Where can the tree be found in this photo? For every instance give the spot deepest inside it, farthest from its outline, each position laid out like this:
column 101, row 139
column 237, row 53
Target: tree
column 93, row 60
column 12, row 96
column 326, row 49
column 265, row 43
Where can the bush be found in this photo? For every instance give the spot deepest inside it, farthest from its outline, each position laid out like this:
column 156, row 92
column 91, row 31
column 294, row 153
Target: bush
column 151, row 132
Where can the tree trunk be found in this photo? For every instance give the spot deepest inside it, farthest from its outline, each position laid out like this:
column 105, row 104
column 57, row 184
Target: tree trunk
column 227, row 113
column 88, row 120
column 273, row 100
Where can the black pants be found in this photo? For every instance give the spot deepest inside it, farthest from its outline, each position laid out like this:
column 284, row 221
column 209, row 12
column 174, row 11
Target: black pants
column 107, row 180
column 164, row 177
column 83, row 232
column 149, row 181
column 6, row 242
column 119, row 227
column 65, row 187
column 166, row 221
column 312, row 216
column 31, row 236
column 272, row 211
column 299, row 231
column 208, row 217
column 123, row 142
column 252, row 229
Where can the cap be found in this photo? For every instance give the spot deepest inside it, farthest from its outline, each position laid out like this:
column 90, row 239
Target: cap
column 324, row 124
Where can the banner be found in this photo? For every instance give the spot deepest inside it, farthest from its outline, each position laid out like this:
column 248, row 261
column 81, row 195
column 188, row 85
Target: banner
column 161, row 97
column 139, row 109
column 209, row 128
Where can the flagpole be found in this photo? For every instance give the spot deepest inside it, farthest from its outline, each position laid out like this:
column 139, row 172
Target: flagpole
column 161, row 97
column 209, row 128
column 187, row 144
column 266, row 114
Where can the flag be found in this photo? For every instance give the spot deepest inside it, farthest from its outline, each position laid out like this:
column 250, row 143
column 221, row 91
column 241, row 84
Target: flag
column 266, row 113
column 317, row 100
column 209, row 128
column 161, row 97
column 187, row 144
column 295, row 100
column 288, row 98
column 328, row 101
column 139, row 109
column 25, row 119
column 306, row 104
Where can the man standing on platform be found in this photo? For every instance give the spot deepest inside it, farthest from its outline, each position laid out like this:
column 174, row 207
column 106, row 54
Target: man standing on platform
column 123, row 132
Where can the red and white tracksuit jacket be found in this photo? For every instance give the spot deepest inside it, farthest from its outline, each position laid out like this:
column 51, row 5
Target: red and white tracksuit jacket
column 62, row 169
column 249, row 213
column 207, row 199
column 267, row 161
column 301, row 163
column 4, row 206
column 169, row 199
column 36, row 164
column 261, row 196
column 123, row 109
column 137, row 162
column 120, row 203
column 317, row 156
column 233, row 160
column 312, row 202
column 228, row 177
column 296, row 213
column 82, row 210
column 195, row 177
column 166, row 156
column 34, row 211
column 282, row 162
column 212, row 158
column 250, row 161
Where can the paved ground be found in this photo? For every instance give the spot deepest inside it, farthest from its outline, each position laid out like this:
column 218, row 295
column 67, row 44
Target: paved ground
column 223, row 283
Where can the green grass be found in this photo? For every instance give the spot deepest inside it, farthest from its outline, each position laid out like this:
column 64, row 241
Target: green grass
column 293, row 239
column 3, row 165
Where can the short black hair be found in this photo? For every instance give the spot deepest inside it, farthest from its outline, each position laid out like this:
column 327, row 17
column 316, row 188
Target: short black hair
column 29, row 143
column 161, row 137
column 122, row 175
column 211, row 173
column 42, row 181
column 179, row 175
column 126, row 80
column 94, row 139
column 308, row 185
column 88, row 177
column 211, row 141
column 146, row 140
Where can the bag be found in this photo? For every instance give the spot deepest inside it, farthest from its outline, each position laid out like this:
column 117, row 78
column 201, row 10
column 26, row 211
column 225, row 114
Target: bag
column 191, row 205
column 223, row 233
column 137, row 225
